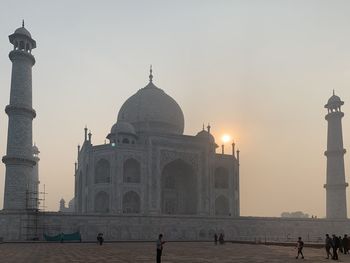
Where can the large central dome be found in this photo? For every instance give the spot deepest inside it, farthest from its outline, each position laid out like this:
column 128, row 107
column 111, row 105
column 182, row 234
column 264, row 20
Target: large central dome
column 151, row 110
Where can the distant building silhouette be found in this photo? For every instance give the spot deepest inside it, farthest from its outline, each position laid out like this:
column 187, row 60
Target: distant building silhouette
column 297, row 214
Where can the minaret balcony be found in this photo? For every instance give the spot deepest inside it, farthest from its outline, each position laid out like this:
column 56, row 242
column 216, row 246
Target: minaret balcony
column 335, row 186
column 20, row 110
column 334, row 152
column 21, row 55
column 18, row 160
column 334, row 114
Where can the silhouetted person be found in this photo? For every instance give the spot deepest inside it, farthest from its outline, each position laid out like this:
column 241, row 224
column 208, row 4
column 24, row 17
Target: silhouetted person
column 100, row 238
column 300, row 246
column 221, row 239
column 336, row 244
column 215, row 239
column 160, row 243
column 328, row 246
column 345, row 242
column 340, row 244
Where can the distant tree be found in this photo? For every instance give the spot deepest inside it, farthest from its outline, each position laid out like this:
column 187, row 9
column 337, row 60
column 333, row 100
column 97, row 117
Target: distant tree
column 297, row 214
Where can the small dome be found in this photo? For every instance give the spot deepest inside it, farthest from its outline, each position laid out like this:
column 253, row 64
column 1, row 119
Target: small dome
column 206, row 135
column 23, row 31
column 334, row 99
column 334, row 102
column 123, row 127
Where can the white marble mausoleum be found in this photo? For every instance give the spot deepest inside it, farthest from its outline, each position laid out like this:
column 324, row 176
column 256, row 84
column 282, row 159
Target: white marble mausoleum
column 150, row 167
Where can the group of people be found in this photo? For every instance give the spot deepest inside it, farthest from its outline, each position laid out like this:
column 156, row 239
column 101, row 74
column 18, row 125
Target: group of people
column 220, row 238
column 333, row 245
column 336, row 244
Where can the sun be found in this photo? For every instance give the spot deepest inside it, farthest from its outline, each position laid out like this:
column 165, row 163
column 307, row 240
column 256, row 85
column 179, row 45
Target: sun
column 226, row 138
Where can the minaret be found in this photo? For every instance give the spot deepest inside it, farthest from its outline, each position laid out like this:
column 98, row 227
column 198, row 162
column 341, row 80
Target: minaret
column 19, row 159
column 336, row 185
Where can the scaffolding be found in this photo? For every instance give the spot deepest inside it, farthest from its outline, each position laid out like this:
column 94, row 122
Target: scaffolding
column 33, row 223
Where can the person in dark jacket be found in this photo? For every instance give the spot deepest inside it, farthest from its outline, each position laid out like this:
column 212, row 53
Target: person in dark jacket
column 336, row 244
column 160, row 243
column 300, row 246
column 100, row 238
column 328, row 245
column 221, row 239
column 216, row 239
column 345, row 244
column 340, row 244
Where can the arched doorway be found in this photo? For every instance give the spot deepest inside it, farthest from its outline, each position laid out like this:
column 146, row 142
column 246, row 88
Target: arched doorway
column 179, row 188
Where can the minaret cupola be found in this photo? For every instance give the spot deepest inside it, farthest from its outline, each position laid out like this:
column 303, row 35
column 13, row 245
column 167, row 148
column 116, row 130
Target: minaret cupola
column 22, row 40
column 334, row 103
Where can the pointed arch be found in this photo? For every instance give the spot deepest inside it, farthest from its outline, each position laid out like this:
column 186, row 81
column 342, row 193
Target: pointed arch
column 21, row 45
column 221, row 178
column 131, row 203
column 179, row 188
column 102, row 171
column 131, row 171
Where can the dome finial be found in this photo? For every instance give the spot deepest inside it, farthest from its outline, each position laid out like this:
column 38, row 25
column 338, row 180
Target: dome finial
column 333, row 92
column 22, row 22
column 150, row 74
column 208, row 127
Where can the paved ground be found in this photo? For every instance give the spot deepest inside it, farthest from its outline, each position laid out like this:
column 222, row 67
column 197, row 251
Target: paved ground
column 145, row 252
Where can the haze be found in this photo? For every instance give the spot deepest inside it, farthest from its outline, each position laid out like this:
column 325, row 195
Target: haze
column 259, row 71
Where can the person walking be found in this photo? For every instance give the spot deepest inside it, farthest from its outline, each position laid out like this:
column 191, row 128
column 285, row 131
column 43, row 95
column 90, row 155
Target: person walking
column 328, row 245
column 335, row 247
column 340, row 244
column 300, row 246
column 215, row 239
column 160, row 243
column 100, row 238
column 221, row 239
column 345, row 243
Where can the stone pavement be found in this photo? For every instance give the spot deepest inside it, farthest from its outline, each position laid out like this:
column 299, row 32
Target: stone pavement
column 145, row 252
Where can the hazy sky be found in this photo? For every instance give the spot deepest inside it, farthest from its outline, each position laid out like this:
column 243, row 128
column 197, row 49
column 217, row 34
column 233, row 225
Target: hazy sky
column 260, row 71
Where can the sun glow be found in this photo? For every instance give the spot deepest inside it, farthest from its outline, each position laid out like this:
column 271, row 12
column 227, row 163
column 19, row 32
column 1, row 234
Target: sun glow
column 226, row 138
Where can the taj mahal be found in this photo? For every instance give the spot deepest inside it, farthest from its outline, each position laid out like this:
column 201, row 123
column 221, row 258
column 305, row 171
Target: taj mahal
column 150, row 167
column 149, row 177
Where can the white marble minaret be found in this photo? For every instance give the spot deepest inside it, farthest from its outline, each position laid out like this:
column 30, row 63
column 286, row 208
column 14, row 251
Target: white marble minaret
column 336, row 185
column 19, row 158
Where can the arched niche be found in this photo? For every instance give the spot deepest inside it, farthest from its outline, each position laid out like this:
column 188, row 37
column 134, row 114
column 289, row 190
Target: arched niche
column 131, row 171
column 221, row 178
column 178, row 188
column 102, row 171
column 131, row 203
